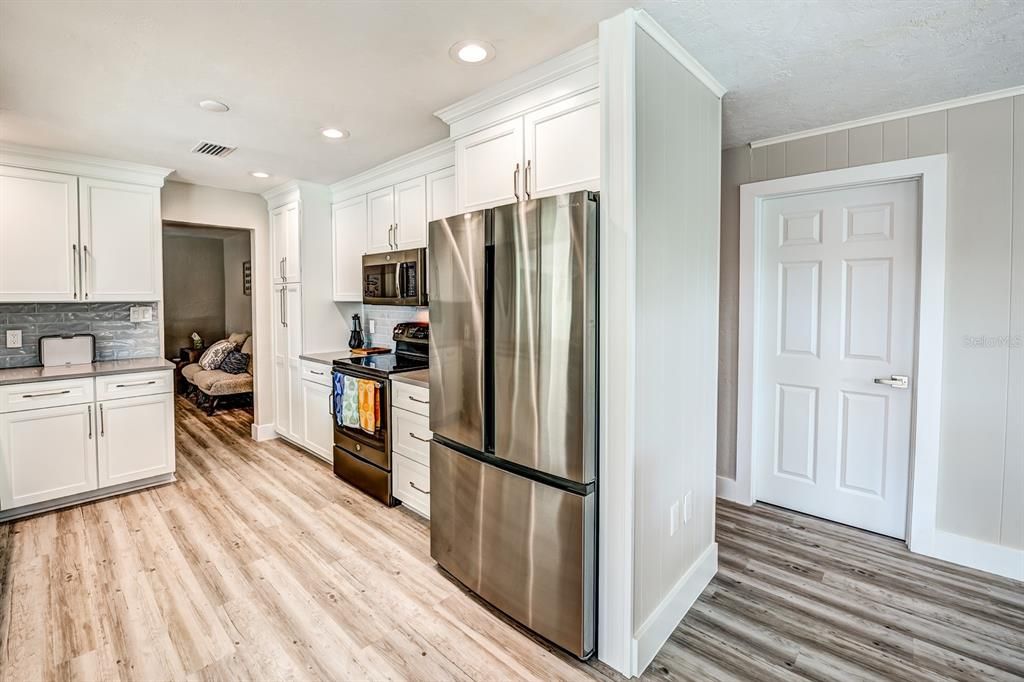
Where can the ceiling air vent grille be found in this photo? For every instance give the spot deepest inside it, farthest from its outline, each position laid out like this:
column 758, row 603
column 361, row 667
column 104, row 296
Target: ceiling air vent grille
column 212, row 149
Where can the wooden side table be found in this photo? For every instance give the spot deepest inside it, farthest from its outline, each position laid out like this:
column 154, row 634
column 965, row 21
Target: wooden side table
column 186, row 356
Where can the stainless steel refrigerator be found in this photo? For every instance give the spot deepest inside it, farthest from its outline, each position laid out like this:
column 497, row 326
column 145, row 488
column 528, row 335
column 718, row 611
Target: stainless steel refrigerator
column 513, row 360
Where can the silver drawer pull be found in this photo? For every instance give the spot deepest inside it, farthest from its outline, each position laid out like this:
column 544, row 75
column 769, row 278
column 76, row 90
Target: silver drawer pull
column 422, row 440
column 137, row 383
column 313, row 371
column 417, row 400
column 46, row 395
column 416, row 487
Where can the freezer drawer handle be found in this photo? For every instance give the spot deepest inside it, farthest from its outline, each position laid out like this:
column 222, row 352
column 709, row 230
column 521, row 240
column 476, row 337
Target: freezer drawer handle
column 46, row 395
column 417, row 400
column 422, row 440
column 416, row 487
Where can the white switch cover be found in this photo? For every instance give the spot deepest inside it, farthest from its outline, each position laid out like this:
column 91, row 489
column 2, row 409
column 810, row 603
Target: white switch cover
column 141, row 313
column 373, row 326
column 673, row 518
column 14, row 338
column 688, row 507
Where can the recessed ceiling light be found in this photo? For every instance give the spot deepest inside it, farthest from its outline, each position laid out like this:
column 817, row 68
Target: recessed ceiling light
column 472, row 52
column 259, row 174
column 214, row 105
column 334, row 133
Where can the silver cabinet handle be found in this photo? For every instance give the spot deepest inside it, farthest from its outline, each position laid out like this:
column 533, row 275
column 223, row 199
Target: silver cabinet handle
column 102, row 424
column 417, row 400
column 284, row 269
column 90, row 422
column 396, row 235
column 526, row 180
column 74, row 268
column 313, row 371
column 85, row 271
column 422, row 440
column 416, row 487
column 284, row 306
column 280, row 268
column 137, row 383
column 46, row 395
column 894, row 381
column 515, row 182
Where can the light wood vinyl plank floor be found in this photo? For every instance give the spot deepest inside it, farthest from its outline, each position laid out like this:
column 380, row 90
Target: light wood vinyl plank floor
column 259, row 564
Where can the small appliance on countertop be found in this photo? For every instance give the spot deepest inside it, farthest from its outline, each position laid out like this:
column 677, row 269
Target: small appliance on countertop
column 67, row 349
column 362, row 458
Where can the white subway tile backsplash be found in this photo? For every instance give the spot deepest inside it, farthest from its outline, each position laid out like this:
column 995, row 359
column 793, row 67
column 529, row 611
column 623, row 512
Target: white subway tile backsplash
column 385, row 318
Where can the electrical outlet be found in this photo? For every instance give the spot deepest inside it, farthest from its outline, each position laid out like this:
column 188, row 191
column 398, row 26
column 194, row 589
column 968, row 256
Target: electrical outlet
column 14, row 338
column 688, row 506
column 673, row 518
column 373, row 326
column 140, row 313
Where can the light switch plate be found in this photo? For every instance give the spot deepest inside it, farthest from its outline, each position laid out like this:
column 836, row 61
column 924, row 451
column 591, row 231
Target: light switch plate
column 688, row 507
column 373, row 326
column 673, row 518
column 14, row 338
column 141, row 313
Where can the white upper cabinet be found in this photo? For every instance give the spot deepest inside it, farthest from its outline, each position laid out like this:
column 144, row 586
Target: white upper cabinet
column 411, row 214
column 441, row 201
column 489, row 164
column 120, row 241
column 284, row 230
column 562, row 143
column 350, row 233
column 380, row 207
column 38, row 236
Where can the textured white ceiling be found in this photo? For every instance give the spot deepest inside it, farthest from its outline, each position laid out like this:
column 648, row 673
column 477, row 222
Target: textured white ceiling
column 121, row 79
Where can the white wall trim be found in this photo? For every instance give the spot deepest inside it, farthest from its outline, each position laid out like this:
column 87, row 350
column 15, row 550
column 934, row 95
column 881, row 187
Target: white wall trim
column 658, row 627
column 678, row 52
column 984, row 556
column 55, row 161
column 263, row 431
column 931, row 172
column 730, row 489
column 575, row 60
column 903, row 113
column 433, row 157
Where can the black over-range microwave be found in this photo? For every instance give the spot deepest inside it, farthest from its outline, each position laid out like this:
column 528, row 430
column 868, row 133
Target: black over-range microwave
column 395, row 278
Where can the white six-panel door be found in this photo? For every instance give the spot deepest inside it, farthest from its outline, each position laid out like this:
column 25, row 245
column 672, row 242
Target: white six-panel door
column 838, row 311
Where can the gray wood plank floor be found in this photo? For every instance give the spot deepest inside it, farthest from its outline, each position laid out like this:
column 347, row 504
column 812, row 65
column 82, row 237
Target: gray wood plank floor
column 258, row 564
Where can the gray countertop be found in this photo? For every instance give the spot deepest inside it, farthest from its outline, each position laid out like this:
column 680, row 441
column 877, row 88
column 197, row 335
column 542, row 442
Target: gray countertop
column 327, row 358
column 25, row 375
column 418, row 377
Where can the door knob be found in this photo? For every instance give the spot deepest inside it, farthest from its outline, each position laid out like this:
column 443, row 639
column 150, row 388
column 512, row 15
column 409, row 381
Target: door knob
column 894, row 381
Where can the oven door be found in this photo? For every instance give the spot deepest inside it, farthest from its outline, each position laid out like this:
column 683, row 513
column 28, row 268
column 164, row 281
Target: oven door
column 395, row 278
column 375, row 447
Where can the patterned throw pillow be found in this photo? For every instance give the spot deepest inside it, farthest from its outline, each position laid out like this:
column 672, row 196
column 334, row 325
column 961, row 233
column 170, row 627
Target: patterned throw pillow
column 235, row 363
column 215, row 354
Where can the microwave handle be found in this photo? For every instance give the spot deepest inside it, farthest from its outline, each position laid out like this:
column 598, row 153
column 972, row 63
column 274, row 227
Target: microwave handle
column 398, row 280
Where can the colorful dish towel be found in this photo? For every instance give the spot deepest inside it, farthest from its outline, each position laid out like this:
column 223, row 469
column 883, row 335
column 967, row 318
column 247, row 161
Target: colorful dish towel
column 339, row 397
column 350, row 404
column 369, row 405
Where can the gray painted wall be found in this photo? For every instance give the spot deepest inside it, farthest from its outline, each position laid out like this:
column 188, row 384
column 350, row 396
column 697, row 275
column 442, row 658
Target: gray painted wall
column 193, row 291
column 116, row 337
column 981, row 470
column 237, row 305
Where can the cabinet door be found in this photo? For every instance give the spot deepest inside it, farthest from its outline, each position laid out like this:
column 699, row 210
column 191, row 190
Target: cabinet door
column 411, row 214
column 135, row 438
column 317, row 421
column 563, row 147
column 121, row 246
column 486, row 164
column 441, row 201
column 349, row 247
column 287, row 341
column 46, row 454
column 38, row 236
column 380, row 210
column 284, row 229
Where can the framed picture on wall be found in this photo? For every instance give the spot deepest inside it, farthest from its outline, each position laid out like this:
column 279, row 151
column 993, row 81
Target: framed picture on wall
column 247, row 278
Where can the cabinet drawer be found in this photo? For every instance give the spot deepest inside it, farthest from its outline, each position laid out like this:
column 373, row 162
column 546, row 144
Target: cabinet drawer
column 412, row 398
column 135, row 384
column 33, row 396
column 316, row 372
column 411, row 435
column 412, row 484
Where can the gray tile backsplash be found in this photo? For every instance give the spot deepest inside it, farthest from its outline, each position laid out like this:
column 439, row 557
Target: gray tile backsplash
column 116, row 337
column 386, row 317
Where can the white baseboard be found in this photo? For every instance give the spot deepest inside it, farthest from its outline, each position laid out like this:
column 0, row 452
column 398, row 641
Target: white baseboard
column 655, row 631
column 984, row 556
column 729, row 489
column 263, row 432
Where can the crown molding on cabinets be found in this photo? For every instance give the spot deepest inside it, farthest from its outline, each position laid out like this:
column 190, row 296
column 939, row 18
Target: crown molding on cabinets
column 55, row 161
column 903, row 113
column 564, row 76
column 289, row 192
column 422, row 161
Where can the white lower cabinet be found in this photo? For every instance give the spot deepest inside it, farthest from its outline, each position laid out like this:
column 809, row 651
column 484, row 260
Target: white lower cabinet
column 47, row 454
column 317, row 420
column 410, row 446
column 50, row 449
column 136, row 438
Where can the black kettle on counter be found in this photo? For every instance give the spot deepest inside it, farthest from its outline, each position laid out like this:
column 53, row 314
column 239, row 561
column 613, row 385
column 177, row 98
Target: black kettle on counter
column 355, row 339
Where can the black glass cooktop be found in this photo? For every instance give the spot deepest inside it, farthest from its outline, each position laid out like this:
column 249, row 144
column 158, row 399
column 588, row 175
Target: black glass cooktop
column 384, row 363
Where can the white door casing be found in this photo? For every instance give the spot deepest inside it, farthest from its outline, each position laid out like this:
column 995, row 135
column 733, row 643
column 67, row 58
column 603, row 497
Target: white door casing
column 838, row 297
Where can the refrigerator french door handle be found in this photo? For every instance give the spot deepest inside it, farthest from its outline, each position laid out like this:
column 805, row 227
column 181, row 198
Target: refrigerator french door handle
column 515, row 182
